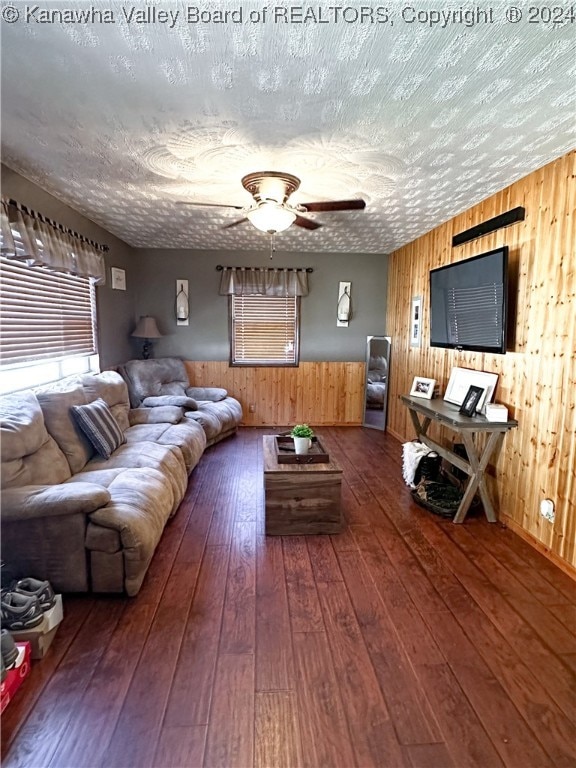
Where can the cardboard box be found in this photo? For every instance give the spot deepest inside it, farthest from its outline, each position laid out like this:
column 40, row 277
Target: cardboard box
column 40, row 637
column 53, row 617
column 15, row 676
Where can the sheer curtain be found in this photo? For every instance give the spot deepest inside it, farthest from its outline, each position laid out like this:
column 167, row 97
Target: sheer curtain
column 39, row 243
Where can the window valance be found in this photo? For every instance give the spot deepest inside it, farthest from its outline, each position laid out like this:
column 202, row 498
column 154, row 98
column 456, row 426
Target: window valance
column 263, row 281
column 37, row 241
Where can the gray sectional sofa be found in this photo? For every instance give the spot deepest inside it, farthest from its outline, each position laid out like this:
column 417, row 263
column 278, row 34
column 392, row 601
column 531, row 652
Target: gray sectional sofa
column 85, row 522
column 161, row 382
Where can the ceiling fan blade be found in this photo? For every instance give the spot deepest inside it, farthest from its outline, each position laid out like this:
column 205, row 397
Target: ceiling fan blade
column 210, row 205
column 301, row 221
column 234, row 223
column 336, row 205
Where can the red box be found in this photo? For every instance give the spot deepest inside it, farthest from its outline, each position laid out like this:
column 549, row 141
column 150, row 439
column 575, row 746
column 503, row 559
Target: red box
column 15, row 676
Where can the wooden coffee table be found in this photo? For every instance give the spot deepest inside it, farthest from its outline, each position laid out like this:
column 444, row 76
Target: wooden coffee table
column 300, row 498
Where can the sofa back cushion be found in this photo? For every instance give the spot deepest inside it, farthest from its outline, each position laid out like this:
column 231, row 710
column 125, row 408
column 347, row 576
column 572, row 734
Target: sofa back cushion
column 111, row 387
column 60, row 423
column 151, row 378
column 30, row 456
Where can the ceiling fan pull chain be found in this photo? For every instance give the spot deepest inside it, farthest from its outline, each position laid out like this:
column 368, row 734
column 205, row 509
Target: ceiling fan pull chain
column 272, row 245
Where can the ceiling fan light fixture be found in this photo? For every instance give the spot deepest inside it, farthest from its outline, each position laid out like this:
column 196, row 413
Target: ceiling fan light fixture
column 271, row 217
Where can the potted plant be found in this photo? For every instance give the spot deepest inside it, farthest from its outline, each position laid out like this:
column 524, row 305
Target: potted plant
column 302, row 435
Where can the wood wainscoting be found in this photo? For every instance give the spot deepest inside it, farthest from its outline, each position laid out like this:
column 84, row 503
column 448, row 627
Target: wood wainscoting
column 324, row 393
column 537, row 376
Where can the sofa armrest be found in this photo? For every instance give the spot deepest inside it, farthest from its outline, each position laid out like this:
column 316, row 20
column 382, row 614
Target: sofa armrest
column 212, row 394
column 182, row 401
column 162, row 414
column 36, row 501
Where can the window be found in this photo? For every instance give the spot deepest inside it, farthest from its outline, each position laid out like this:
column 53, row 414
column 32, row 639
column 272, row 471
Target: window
column 47, row 318
column 264, row 330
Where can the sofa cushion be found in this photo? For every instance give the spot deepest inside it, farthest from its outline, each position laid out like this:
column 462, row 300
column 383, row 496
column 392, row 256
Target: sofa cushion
column 111, row 387
column 187, row 436
column 61, row 424
column 211, row 394
column 23, row 430
column 30, row 456
column 167, row 459
column 217, row 418
column 152, row 378
column 100, row 427
column 46, row 466
column 141, row 503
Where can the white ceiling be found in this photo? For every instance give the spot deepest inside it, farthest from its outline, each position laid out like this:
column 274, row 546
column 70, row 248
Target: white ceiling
column 121, row 120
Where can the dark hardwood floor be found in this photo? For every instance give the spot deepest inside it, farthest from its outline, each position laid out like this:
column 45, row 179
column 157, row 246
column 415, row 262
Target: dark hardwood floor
column 403, row 641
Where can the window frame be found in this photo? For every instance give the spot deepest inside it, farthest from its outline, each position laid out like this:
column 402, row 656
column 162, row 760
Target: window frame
column 264, row 364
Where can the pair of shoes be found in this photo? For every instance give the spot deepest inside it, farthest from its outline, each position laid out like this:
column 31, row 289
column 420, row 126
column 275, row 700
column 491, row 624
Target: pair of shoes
column 35, row 588
column 19, row 612
column 23, row 605
column 8, row 648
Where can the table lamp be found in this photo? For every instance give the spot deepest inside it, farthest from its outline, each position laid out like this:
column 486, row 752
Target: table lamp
column 146, row 329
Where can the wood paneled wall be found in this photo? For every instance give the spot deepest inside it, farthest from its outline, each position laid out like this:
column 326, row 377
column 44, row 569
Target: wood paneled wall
column 326, row 393
column 537, row 377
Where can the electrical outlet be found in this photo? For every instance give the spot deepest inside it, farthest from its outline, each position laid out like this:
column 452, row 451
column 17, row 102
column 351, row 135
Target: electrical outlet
column 547, row 510
column 252, row 408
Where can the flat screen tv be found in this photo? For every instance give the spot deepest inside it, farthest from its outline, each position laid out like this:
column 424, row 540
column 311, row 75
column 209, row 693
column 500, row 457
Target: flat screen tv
column 468, row 302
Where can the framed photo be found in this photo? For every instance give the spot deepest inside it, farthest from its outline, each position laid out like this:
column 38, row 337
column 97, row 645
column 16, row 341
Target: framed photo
column 422, row 387
column 118, row 278
column 416, row 321
column 468, row 407
column 461, row 379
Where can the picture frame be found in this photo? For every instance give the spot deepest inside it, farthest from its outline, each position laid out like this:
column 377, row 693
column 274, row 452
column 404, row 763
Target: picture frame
column 416, row 322
column 422, row 387
column 118, row 278
column 473, row 396
column 461, row 379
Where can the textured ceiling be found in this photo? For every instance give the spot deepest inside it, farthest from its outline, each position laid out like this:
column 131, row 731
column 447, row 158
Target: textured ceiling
column 121, row 119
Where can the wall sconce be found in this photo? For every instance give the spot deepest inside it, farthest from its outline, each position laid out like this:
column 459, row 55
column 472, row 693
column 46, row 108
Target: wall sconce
column 146, row 329
column 344, row 309
column 182, row 304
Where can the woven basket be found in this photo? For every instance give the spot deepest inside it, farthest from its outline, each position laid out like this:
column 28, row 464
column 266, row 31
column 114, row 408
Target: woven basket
column 441, row 498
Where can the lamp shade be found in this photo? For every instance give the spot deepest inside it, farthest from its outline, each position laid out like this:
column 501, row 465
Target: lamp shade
column 271, row 217
column 147, row 328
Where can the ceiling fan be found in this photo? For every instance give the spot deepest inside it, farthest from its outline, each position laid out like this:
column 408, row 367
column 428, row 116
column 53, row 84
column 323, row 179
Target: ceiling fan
column 271, row 212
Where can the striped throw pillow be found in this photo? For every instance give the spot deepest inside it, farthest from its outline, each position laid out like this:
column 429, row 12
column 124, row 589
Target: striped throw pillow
column 97, row 422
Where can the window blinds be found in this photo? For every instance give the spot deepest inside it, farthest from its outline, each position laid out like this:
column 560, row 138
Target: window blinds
column 264, row 330
column 44, row 314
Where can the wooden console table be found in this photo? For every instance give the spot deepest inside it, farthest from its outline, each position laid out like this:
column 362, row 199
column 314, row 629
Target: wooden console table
column 424, row 412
